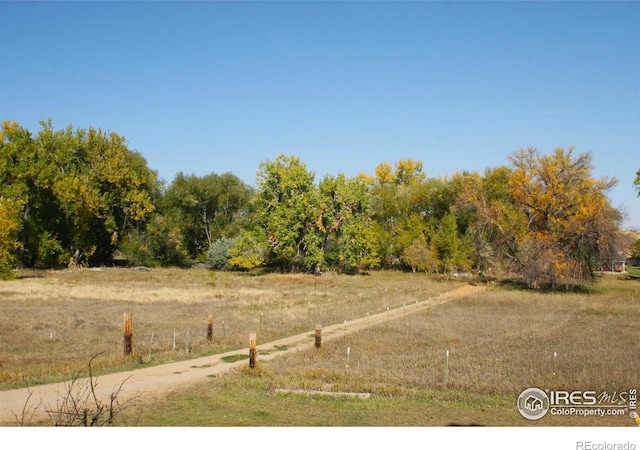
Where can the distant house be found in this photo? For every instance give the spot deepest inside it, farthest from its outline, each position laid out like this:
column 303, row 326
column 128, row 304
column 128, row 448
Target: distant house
column 619, row 266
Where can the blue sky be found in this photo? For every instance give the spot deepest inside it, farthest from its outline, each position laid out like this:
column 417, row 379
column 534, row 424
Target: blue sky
column 202, row 87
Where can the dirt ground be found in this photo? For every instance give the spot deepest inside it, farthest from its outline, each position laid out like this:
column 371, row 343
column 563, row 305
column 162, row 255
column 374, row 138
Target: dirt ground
column 146, row 385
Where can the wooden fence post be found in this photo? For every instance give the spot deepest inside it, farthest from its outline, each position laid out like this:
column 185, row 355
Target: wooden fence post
column 318, row 335
column 252, row 350
column 210, row 328
column 151, row 345
column 128, row 334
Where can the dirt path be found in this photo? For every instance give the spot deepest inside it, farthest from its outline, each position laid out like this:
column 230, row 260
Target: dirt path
column 152, row 383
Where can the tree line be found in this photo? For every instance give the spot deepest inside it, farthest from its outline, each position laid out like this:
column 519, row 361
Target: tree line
column 82, row 197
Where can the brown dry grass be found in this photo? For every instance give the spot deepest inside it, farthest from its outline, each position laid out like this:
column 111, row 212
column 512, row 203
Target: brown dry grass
column 51, row 323
column 501, row 341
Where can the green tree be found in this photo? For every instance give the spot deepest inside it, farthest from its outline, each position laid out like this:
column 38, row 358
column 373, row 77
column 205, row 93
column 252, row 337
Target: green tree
column 393, row 193
column 452, row 250
column 287, row 210
column 408, row 208
column 421, row 255
column 101, row 187
column 155, row 242
column 76, row 190
column 345, row 220
column 408, row 172
column 635, row 250
column 206, row 208
column 20, row 166
column 8, row 237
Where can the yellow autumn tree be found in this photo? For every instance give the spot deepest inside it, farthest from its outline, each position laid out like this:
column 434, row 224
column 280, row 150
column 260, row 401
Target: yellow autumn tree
column 494, row 223
column 8, row 237
column 571, row 227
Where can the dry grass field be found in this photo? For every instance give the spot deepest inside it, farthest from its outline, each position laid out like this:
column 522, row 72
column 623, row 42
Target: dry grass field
column 500, row 342
column 51, row 323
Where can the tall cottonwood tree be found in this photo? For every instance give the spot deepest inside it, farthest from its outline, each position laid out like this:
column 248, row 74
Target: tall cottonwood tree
column 495, row 225
column 570, row 227
column 77, row 191
column 345, row 223
column 101, row 187
column 20, row 184
column 394, row 193
column 286, row 211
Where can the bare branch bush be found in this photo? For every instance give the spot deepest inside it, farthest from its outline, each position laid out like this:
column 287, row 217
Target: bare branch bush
column 79, row 405
column 28, row 410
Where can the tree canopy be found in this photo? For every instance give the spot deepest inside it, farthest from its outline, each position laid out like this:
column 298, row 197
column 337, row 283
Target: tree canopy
column 79, row 195
column 206, row 208
column 570, row 224
column 76, row 192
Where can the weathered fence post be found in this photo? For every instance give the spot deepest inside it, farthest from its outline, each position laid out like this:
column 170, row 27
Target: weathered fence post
column 210, row 328
column 151, row 345
column 128, row 334
column 318, row 335
column 252, row 350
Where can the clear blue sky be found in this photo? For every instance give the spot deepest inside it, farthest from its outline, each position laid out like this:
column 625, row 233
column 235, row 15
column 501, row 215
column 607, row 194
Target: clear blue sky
column 202, row 87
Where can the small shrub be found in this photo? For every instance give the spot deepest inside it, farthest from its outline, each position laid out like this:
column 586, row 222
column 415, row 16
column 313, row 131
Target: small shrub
column 158, row 244
column 218, row 254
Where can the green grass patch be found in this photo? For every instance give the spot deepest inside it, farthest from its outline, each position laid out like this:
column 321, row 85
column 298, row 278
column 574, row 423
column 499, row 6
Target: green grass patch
column 234, row 358
column 633, row 273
